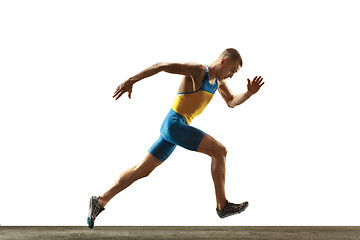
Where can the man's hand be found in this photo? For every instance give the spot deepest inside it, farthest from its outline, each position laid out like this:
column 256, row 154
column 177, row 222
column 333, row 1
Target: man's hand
column 255, row 85
column 122, row 88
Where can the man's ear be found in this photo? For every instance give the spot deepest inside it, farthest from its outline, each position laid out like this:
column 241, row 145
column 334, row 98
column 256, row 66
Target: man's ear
column 223, row 60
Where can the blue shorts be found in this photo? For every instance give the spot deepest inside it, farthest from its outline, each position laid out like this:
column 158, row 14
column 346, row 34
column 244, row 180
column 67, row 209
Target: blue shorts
column 175, row 131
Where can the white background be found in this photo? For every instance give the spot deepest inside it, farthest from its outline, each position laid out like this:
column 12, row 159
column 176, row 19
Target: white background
column 293, row 148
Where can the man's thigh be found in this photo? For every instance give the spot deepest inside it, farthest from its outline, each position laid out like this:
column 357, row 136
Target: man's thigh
column 184, row 135
column 161, row 149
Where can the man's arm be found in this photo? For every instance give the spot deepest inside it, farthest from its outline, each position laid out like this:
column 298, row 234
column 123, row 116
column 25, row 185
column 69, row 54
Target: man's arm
column 187, row 69
column 235, row 100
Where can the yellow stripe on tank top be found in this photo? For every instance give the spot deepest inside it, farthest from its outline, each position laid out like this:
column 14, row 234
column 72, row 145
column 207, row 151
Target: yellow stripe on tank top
column 190, row 105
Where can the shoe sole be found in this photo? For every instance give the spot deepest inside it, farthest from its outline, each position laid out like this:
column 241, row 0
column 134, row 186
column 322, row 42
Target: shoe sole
column 88, row 223
column 89, row 217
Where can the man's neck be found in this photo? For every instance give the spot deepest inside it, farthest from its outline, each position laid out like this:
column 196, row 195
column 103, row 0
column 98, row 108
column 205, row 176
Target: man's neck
column 213, row 69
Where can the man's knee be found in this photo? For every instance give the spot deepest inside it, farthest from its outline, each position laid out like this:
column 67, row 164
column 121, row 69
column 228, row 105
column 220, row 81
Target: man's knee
column 218, row 159
column 220, row 150
column 142, row 171
column 212, row 147
column 144, row 168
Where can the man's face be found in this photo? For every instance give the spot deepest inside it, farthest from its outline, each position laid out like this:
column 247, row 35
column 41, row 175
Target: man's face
column 228, row 68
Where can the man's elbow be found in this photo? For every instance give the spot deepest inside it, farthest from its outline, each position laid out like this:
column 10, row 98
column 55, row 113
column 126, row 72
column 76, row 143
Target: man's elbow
column 169, row 67
column 230, row 104
column 160, row 66
column 230, row 101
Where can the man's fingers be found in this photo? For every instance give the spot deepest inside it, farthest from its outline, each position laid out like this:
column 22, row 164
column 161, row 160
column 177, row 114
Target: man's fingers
column 118, row 89
column 258, row 79
column 261, row 84
column 119, row 95
column 261, row 80
column 116, row 93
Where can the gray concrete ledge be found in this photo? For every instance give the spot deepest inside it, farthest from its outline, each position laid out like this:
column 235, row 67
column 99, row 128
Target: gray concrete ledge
column 180, row 232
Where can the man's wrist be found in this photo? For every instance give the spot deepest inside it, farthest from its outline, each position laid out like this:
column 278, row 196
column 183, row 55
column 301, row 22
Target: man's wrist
column 133, row 80
column 248, row 94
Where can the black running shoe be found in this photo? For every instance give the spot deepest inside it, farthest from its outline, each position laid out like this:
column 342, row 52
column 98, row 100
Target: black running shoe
column 231, row 209
column 94, row 210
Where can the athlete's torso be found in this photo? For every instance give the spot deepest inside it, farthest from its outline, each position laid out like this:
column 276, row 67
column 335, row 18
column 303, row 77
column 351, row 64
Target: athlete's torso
column 194, row 96
column 193, row 83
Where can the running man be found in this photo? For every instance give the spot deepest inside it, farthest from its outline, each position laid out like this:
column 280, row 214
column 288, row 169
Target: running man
column 197, row 88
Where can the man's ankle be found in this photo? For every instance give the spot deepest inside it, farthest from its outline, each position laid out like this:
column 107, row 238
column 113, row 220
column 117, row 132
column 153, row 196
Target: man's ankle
column 102, row 202
column 221, row 206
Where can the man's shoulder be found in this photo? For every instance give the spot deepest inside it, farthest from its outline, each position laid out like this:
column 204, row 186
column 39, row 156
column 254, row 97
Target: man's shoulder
column 196, row 65
column 198, row 70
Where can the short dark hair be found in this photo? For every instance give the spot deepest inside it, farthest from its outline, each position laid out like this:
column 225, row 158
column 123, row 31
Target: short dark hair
column 233, row 54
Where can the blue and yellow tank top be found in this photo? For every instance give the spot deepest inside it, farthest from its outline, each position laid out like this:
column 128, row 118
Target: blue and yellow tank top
column 191, row 104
